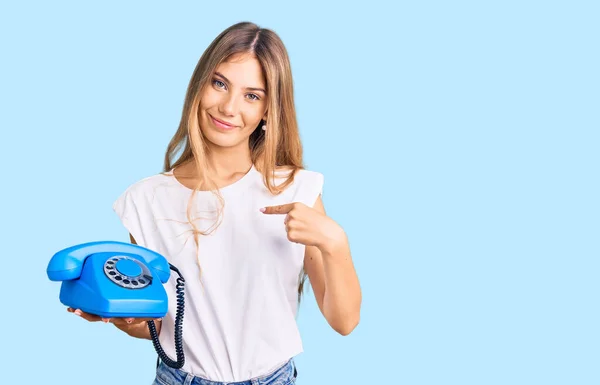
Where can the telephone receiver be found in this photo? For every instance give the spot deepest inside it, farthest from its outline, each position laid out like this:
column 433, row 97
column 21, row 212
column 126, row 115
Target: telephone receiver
column 119, row 280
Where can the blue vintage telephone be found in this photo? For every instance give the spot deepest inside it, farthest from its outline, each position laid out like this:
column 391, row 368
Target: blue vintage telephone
column 117, row 279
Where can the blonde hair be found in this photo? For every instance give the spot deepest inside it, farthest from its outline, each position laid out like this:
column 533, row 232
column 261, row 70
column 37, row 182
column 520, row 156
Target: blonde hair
column 278, row 148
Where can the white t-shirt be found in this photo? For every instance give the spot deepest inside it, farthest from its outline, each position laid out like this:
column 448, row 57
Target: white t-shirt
column 240, row 314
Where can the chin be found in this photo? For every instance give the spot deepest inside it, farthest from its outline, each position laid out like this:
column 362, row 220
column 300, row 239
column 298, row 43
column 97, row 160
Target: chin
column 222, row 142
column 222, row 139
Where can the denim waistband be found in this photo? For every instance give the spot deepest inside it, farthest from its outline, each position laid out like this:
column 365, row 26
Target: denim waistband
column 166, row 375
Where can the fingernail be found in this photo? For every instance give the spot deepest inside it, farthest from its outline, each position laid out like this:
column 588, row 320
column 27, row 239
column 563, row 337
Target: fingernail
column 78, row 312
column 105, row 320
column 262, row 209
column 129, row 320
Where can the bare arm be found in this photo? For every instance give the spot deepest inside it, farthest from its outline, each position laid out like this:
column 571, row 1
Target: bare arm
column 335, row 282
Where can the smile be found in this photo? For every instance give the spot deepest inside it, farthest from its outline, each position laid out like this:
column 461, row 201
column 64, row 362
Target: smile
column 221, row 124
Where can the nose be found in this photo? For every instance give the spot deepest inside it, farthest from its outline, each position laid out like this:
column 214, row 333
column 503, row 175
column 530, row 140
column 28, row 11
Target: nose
column 229, row 105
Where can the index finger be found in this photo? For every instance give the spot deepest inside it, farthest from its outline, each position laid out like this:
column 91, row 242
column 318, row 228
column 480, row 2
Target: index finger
column 279, row 209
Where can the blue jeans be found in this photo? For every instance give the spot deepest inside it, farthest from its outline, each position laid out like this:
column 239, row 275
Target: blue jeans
column 284, row 375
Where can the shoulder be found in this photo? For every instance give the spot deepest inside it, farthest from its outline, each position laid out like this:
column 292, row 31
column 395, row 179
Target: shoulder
column 284, row 172
column 305, row 173
column 146, row 185
column 306, row 186
column 301, row 177
column 309, row 176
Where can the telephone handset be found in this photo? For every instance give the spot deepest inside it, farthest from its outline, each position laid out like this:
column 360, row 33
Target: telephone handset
column 116, row 279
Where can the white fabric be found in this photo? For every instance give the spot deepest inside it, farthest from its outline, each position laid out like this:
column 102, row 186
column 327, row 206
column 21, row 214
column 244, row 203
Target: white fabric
column 240, row 316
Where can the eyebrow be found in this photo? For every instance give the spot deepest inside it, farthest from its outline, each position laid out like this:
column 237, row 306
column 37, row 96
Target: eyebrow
column 248, row 88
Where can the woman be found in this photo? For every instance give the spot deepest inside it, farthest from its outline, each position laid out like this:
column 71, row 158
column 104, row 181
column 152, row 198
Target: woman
column 242, row 220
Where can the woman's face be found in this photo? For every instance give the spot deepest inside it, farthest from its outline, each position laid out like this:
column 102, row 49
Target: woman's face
column 236, row 96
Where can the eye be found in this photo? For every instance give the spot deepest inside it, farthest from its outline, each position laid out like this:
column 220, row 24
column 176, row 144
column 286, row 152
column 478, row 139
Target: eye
column 255, row 97
column 218, row 83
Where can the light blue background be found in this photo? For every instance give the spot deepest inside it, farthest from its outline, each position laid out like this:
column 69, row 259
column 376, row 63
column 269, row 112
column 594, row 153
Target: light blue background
column 459, row 143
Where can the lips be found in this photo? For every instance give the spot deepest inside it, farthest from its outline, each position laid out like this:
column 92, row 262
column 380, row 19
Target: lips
column 221, row 123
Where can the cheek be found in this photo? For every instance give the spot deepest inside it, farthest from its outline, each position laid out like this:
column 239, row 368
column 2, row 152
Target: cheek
column 253, row 115
column 209, row 100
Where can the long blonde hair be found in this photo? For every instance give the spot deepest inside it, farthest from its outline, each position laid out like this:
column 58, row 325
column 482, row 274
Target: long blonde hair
column 277, row 148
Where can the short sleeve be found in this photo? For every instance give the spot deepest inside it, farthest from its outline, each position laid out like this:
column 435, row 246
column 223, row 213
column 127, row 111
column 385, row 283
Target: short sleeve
column 126, row 209
column 310, row 187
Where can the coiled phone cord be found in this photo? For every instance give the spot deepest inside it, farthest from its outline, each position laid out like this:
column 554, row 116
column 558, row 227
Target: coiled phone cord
column 178, row 328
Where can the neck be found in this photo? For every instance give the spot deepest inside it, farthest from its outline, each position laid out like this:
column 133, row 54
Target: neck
column 225, row 161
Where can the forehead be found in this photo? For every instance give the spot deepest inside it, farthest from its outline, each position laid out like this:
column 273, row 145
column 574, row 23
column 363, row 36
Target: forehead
column 243, row 71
